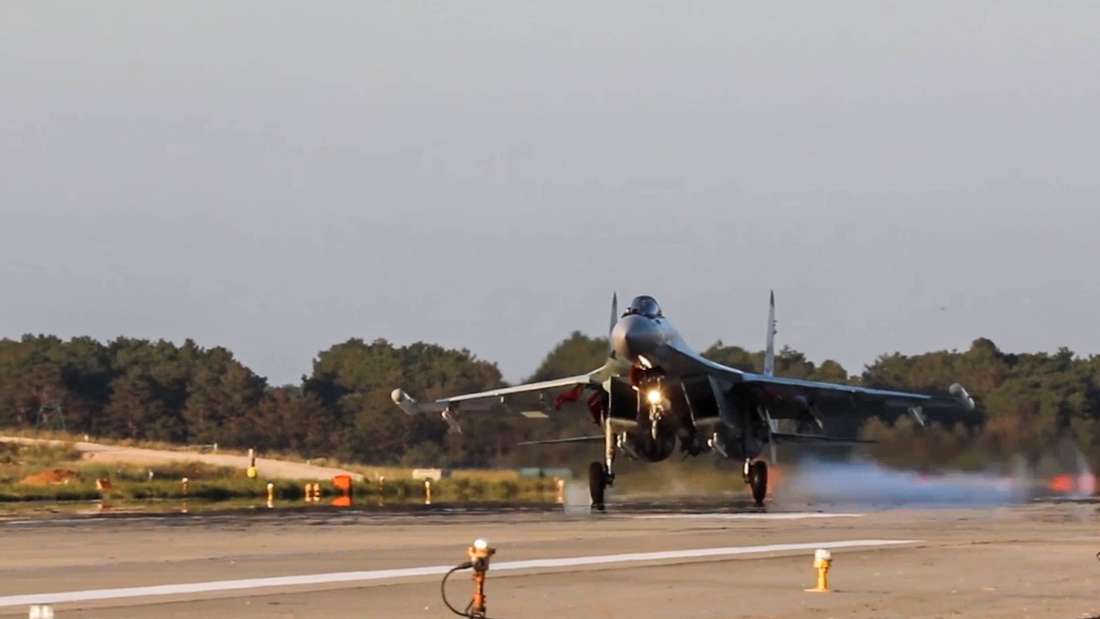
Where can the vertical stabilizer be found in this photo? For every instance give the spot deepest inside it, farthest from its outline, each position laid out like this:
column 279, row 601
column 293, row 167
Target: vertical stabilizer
column 611, row 327
column 769, row 351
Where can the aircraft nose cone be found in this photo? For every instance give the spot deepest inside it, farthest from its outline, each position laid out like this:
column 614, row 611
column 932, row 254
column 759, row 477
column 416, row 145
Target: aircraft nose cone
column 634, row 336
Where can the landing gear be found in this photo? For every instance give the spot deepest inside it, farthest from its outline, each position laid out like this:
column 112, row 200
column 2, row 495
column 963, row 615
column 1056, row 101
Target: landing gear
column 602, row 474
column 757, row 479
column 598, row 481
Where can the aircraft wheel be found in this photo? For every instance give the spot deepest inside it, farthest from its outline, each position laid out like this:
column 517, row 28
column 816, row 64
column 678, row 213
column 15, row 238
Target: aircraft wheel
column 597, row 484
column 758, row 481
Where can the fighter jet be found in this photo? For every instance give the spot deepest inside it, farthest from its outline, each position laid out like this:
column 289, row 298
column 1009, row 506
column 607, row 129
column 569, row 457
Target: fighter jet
column 655, row 393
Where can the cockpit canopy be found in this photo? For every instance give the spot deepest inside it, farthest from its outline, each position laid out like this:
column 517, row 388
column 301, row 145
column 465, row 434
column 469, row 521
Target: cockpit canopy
column 645, row 306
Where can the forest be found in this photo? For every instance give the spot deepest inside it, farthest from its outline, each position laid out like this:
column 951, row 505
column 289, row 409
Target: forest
column 1033, row 405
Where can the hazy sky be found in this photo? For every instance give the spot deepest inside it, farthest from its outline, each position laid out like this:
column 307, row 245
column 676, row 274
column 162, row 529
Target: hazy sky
column 276, row 177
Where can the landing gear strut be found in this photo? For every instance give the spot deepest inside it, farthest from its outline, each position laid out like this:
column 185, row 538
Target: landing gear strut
column 601, row 474
column 757, row 478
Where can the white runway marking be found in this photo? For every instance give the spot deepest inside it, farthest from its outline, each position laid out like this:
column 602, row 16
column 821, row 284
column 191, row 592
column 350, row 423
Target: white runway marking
column 429, row 570
column 721, row 516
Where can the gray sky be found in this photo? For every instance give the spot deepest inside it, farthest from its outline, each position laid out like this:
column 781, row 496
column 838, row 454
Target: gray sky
column 276, row 177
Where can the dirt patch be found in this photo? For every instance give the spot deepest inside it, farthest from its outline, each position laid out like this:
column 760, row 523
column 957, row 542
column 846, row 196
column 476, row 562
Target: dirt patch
column 51, row 477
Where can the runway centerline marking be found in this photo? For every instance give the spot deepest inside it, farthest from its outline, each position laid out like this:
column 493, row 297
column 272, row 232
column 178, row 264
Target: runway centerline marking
column 428, row 570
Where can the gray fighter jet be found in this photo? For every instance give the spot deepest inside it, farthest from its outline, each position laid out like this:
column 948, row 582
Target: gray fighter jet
column 655, row 392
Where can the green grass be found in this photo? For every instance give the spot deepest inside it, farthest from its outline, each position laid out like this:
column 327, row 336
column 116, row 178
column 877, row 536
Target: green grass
column 211, row 483
column 18, row 492
column 221, row 489
column 17, row 460
column 368, row 471
column 131, row 482
column 465, row 490
column 168, row 471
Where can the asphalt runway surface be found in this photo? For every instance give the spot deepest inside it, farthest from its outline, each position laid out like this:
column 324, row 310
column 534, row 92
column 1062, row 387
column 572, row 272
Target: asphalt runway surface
column 637, row 560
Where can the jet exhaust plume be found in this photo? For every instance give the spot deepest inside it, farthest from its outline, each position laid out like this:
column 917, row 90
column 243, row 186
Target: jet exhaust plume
column 866, row 482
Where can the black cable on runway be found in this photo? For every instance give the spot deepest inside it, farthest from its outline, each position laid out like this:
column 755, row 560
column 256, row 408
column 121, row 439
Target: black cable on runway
column 443, row 593
column 443, row 589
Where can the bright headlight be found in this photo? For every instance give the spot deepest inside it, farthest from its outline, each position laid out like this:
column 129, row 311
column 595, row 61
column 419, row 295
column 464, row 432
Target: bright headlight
column 481, row 544
column 655, row 397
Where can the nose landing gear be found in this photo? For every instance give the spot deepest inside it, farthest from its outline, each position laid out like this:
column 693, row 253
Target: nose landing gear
column 756, row 476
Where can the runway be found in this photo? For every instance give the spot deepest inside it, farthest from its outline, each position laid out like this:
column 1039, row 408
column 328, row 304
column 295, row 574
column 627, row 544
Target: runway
column 634, row 561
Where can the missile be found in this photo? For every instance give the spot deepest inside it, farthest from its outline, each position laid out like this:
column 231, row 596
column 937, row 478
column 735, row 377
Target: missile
column 959, row 393
column 405, row 402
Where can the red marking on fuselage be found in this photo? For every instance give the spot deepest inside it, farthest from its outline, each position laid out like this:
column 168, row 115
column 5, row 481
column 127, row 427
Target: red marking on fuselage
column 565, row 397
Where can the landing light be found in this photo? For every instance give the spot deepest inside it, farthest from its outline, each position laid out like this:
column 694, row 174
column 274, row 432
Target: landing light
column 480, row 544
column 654, row 396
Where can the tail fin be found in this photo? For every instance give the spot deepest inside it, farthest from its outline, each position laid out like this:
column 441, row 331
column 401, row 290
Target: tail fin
column 614, row 311
column 611, row 327
column 769, row 351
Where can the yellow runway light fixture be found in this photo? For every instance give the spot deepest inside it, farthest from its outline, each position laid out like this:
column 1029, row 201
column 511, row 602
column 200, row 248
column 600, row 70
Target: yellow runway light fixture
column 823, row 560
column 185, row 484
column 312, row 493
column 479, row 555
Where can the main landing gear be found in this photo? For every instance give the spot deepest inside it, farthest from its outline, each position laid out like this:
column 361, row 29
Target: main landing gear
column 601, row 474
column 756, row 476
column 598, row 481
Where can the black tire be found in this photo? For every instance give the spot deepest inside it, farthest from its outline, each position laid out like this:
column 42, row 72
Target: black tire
column 597, row 484
column 758, row 481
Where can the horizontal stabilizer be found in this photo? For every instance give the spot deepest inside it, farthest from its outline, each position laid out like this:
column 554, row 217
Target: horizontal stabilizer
column 595, row 438
column 820, row 439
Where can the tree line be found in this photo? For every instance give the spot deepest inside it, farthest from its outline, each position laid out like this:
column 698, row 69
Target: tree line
column 1035, row 404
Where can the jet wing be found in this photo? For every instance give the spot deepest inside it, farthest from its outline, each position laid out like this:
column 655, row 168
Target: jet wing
column 688, row 361
column 909, row 398
column 496, row 394
column 795, row 398
column 486, row 400
column 958, row 398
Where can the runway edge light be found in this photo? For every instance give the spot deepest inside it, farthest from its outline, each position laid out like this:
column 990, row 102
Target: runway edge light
column 479, row 555
column 823, row 560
